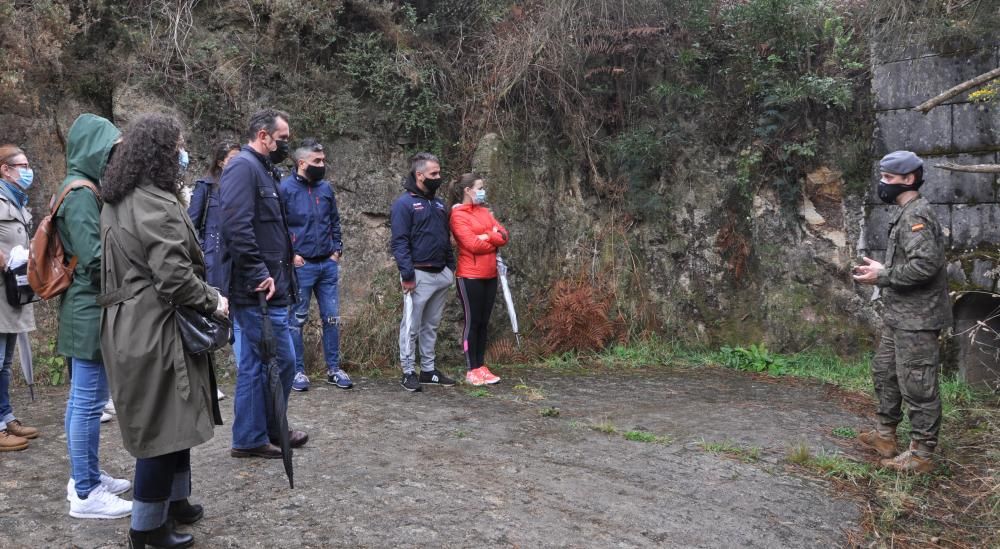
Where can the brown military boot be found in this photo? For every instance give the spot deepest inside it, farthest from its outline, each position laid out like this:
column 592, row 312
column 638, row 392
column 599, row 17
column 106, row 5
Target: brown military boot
column 910, row 462
column 884, row 444
column 19, row 429
column 11, row 443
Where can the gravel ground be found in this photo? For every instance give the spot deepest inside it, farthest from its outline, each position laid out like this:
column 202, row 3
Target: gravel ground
column 460, row 468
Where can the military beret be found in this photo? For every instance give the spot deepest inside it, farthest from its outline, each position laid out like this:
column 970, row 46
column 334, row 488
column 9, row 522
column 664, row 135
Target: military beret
column 900, row 163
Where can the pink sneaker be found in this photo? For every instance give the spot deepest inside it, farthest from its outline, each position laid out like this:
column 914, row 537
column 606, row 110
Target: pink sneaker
column 488, row 375
column 475, row 377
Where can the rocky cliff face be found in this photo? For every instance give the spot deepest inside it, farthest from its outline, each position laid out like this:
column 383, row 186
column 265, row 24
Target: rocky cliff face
column 708, row 248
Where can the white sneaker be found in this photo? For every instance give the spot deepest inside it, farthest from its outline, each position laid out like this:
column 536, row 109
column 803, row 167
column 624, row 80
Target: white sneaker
column 220, row 395
column 100, row 504
column 109, row 408
column 106, row 417
column 114, row 485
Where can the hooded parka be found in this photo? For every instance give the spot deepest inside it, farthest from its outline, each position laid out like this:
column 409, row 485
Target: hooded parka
column 165, row 398
column 88, row 147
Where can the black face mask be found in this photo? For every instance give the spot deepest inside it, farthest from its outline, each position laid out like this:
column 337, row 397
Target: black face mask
column 278, row 155
column 888, row 193
column 315, row 173
column 432, row 184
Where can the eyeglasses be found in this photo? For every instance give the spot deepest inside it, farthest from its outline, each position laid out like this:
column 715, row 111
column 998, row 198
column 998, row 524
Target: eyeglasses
column 19, row 165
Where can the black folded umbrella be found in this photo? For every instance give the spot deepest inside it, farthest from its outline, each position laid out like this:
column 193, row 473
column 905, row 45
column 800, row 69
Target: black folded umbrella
column 277, row 406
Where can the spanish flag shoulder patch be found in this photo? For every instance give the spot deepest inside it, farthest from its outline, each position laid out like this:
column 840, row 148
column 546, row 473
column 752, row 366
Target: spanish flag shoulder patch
column 917, row 227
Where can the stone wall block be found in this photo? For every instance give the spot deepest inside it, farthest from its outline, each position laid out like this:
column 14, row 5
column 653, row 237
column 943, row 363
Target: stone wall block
column 949, row 187
column 908, row 83
column 913, row 131
column 979, row 269
column 973, row 225
column 976, row 127
column 877, row 227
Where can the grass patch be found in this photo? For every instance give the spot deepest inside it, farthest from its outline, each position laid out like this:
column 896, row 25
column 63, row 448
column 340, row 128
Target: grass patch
column 478, row 392
column 605, row 427
column 529, row 392
column 550, row 411
column 733, row 449
column 638, row 435
column 844, row 432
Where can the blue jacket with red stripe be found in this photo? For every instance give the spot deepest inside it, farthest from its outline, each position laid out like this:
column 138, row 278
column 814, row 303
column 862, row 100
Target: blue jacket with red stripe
column 313, row 219
column 420, row 234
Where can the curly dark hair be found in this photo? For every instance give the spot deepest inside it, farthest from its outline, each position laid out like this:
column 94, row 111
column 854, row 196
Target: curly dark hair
column 148, row 152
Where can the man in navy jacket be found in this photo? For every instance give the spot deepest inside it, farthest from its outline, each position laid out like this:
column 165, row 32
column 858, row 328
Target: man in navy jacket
column 421, row 244
column 255, row 236
column 314, row 227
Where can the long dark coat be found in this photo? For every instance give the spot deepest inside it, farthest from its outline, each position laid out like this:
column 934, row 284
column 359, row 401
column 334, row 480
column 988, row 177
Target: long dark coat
column 165, row 398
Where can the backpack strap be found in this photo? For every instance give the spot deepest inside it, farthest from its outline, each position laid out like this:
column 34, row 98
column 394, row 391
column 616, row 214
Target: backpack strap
column 76, row 184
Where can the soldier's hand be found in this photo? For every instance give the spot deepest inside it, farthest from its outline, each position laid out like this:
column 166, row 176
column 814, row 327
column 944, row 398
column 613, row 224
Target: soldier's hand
column 867, row 273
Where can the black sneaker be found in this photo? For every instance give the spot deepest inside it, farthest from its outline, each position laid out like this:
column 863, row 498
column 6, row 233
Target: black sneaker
column 435, row 377
column 410, row 382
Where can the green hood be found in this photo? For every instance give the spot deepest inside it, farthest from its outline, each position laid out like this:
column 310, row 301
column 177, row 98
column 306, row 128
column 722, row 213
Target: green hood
column 88, row 147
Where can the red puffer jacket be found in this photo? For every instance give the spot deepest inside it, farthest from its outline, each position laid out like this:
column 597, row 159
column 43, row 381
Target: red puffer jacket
column 477, row 258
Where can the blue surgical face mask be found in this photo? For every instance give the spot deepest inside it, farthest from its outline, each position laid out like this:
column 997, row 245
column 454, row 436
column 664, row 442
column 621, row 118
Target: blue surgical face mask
column 26, row 177
column 183, row 160
column 480, row 197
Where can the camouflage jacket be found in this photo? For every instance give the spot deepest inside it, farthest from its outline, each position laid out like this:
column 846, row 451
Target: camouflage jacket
column 915, row 280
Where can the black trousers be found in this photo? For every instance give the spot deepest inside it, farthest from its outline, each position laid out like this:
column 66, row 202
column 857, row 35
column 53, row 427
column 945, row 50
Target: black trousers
column 478, row 296
column 154, row 477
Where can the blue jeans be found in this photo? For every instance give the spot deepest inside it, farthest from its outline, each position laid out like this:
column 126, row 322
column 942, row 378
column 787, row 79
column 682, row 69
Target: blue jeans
column 88, row 393
column 250, row 402
column 318, row 277
column 7, row 343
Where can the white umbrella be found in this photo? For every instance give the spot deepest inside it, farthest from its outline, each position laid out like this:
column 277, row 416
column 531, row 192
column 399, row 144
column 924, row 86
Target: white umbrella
column 27, row 367
column 502, row 271
column 407, row 321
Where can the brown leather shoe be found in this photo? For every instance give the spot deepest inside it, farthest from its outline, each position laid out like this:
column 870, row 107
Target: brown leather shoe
column 910, row 462
column 19, row 429
column 11, row 443
column 884, row 445
column 268, row 451
column 296, row 439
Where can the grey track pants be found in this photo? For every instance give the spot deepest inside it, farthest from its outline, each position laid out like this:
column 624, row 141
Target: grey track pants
column 428, row 303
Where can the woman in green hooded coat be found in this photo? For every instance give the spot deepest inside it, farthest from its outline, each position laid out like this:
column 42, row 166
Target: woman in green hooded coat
column 152, row 263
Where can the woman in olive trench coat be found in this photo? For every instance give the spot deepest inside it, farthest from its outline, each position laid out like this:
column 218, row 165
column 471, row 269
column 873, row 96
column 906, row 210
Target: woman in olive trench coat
column 165, row 398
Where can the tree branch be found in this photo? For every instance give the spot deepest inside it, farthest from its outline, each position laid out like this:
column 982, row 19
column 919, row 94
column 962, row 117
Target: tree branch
column 969, row 168
column 926, row 106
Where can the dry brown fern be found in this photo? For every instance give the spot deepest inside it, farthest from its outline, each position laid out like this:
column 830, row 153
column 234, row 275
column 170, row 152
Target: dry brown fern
column 577, row 316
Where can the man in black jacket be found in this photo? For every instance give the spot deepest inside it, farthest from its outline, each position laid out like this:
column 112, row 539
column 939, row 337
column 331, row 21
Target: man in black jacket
column 421, row 245
column 255, row 236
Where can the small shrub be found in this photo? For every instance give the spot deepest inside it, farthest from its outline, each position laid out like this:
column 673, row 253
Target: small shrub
column 550, row 411
column 844, row 432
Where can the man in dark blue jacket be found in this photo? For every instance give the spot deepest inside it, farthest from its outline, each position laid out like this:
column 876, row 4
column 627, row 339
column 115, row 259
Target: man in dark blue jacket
column 255, row 236
column 314, row 227
column 421, row 244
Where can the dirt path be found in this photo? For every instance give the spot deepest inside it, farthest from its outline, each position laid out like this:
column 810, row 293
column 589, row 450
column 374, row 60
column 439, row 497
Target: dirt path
column 448, row 468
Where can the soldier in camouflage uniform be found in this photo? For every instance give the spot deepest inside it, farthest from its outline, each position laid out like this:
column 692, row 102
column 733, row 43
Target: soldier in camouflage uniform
column 914, row 286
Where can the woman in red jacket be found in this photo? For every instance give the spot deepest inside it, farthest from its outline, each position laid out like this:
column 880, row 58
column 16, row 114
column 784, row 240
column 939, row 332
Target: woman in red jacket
column 478, row 235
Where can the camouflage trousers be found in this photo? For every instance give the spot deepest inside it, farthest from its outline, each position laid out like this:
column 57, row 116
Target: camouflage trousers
column 905, row 369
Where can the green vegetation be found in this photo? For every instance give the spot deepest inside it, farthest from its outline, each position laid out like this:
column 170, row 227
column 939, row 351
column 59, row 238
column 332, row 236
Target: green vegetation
column 636, row 435
column 549, row 411
column 844, row 432
column 733, row 449
column 478, row 392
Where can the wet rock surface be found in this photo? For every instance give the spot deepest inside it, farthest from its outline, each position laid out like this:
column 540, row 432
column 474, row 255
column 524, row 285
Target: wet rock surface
column 446, row 467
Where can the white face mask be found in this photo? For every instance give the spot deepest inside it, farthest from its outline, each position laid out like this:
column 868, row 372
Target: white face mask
column 479, row 196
